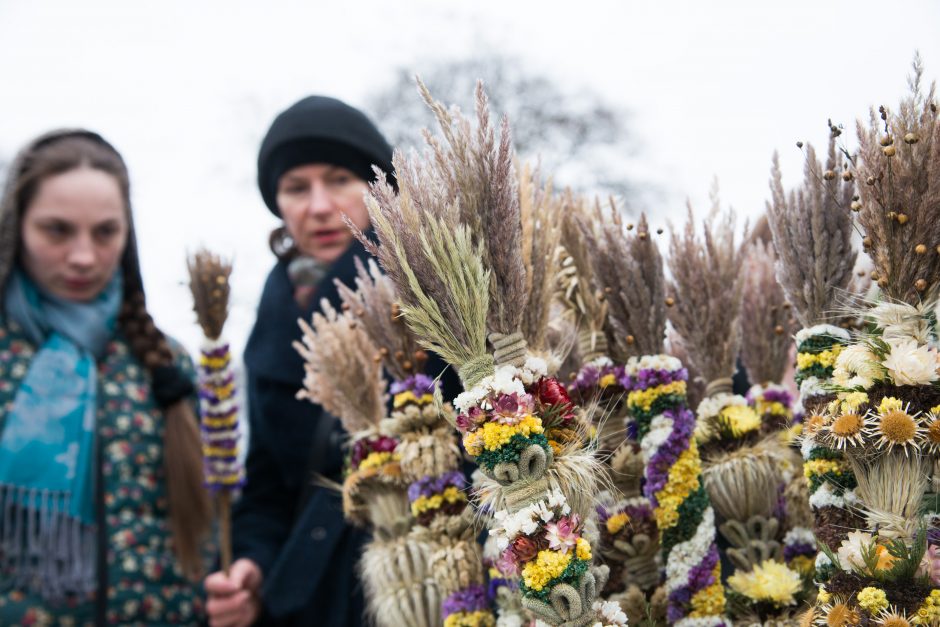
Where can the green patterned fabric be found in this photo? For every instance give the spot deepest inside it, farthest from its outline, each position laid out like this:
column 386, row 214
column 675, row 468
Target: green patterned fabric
column 145, row 585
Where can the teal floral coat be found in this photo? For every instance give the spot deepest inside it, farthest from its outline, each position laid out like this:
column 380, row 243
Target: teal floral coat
column 145, row 585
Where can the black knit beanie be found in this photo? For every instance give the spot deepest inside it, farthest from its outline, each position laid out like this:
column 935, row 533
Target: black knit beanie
column 319, row 129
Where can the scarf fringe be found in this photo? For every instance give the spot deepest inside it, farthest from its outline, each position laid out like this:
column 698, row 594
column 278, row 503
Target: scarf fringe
column 43, row 550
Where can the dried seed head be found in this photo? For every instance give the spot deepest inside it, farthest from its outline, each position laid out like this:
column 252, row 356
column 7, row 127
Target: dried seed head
column 778, row 330
column 856, row 205
column 799, row 144
column 889, row 151
column 920, row 285
column 920, row 249
column 630, row 340
column 870, row 180
column 670, row 301
column 911, row 138
column 887, row 140
column 902, row 218
column 829, row 175
column 847, row 176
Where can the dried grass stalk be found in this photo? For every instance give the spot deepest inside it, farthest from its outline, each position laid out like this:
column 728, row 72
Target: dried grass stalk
column 891, row 486
column 340, row 372
column 628, row 269
column 812, row 231
column 707, row 287
column 541, row 216
column 209, row 283
column 695, row 387
column 475, row 170
column 765, row 317
column 374, row 303
column 899, row 185
column 438, row 272
column 576, row 285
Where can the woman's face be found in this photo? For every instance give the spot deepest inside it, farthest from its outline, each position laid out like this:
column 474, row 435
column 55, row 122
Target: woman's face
column 74, row 232
column 312, row 200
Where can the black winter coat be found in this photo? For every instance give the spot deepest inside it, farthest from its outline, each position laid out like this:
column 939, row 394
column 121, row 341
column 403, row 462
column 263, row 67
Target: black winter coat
column 292, row 529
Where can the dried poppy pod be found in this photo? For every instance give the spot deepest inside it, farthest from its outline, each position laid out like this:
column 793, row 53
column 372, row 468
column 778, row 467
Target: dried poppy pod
column 889, row 151
column 911, row 138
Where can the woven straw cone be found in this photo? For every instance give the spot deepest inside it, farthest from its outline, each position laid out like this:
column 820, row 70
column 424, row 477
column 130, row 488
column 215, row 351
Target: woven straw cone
column 363, row 487
column 742, row 484
column 456, row 564
column 399, row 587
column 428, row 452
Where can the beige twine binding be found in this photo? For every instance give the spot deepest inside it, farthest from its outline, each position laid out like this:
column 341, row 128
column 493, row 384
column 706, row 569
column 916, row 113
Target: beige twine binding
column 718, row 386
column 591, row 344
column 508, row 349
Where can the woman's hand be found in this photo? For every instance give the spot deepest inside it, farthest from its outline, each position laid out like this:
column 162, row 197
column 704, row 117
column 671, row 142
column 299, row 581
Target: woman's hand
column 234, row 600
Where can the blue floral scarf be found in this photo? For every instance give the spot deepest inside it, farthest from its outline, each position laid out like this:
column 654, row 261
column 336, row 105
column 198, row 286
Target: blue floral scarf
column 47, row 445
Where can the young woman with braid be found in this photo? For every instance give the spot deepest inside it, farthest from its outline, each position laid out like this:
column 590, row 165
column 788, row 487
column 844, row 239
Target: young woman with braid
column 102, row 509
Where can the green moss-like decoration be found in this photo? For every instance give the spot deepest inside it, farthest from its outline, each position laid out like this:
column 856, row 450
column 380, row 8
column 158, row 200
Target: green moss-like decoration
column 509, row 453
column 571, row 575
column 690, row 512
column 660, row 406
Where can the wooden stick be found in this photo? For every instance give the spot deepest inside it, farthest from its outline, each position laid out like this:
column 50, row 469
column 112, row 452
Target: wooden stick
column 224, row 506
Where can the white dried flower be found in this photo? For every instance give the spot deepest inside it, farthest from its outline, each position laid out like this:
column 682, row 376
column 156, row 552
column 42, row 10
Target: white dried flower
column 857, row 366
column 911, row 364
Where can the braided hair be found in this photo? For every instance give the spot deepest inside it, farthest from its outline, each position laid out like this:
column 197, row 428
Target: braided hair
column 59, row 152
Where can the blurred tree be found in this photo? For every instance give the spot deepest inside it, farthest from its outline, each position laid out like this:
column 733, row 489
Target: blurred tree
column 584, row 142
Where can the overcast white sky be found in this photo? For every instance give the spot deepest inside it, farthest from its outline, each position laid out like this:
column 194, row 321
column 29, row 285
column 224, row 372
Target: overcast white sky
column 186, row 90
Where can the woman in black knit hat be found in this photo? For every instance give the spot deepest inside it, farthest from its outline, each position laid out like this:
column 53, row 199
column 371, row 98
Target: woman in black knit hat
column 296, row 558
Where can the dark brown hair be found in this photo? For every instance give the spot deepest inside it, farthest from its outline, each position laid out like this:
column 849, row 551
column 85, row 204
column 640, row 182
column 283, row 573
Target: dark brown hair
column 60, row 152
